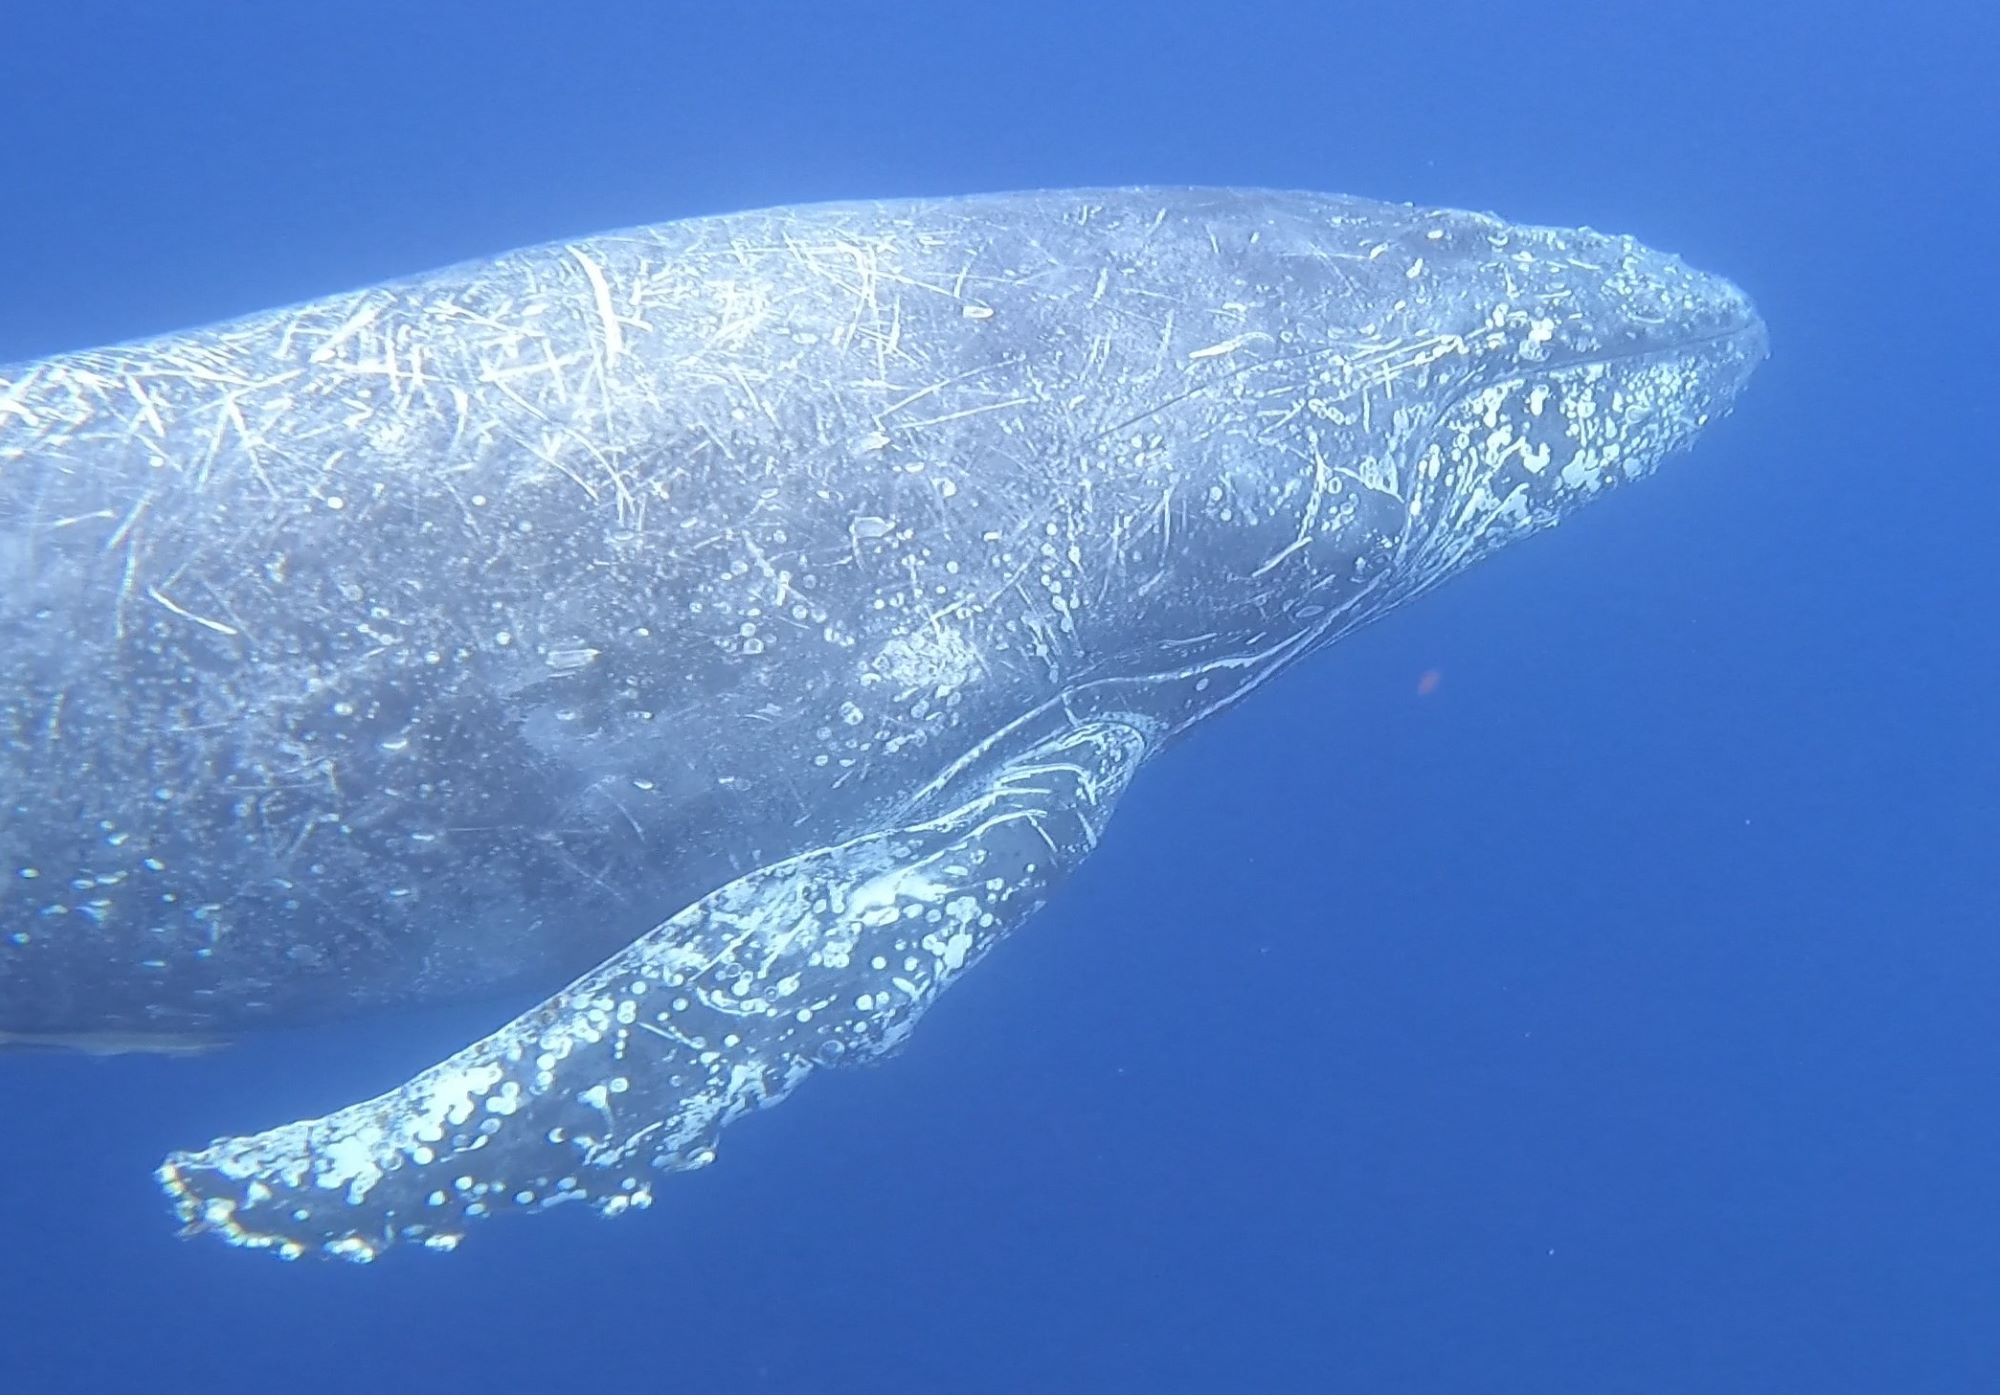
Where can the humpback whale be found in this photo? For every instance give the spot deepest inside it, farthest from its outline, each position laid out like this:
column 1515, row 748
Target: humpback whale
column 732, row 627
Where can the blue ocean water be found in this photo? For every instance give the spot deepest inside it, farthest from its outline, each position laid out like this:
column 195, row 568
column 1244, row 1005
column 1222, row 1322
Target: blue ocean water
column 1617, row 1016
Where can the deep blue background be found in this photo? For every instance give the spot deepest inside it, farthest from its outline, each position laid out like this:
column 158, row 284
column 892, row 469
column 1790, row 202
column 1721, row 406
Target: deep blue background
column 1620, row 1017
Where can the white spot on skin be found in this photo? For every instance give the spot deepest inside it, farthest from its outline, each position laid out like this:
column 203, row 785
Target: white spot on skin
column 935, row 657
column 951, row 953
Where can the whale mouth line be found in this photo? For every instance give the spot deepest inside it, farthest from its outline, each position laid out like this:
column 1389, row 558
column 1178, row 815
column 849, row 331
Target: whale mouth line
column 1750, row 328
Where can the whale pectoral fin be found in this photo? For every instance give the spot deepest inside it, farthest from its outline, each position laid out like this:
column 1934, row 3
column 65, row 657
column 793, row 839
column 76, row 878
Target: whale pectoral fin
column 828, row 956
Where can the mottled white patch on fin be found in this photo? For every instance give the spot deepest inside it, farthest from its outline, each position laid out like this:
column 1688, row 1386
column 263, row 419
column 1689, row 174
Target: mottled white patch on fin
column 827, row 957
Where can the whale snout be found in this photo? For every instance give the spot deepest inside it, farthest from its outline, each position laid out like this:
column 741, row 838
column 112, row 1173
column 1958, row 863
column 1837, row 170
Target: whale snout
column 1723, row 338
column 1705, row 308
column 1733, row 312
column 1642, row 313
column 1649, row 301
column 1716, row 333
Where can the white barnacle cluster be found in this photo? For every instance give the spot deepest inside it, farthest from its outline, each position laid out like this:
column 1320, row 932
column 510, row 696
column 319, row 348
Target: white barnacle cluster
column 927, row 662
column 824, row 960
column 1519, row 454
column 355, row 1181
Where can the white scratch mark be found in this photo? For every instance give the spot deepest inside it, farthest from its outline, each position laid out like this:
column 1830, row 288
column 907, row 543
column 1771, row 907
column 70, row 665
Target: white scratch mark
column 614, row 337
column 187, row 614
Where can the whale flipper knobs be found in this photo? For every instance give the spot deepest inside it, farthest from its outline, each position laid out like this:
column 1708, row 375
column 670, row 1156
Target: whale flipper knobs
column 827, row 957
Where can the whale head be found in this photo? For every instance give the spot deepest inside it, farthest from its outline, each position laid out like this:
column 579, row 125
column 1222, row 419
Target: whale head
column 1469, row 381
column 1575, row 362
column 1432, row 384
column 1400, row 392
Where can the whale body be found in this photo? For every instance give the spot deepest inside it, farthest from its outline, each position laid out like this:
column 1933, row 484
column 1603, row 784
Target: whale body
column 744, row 621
